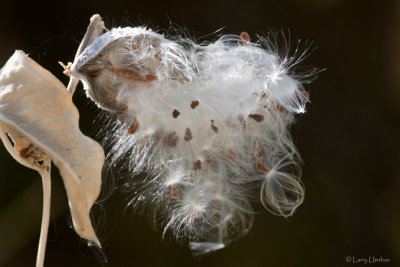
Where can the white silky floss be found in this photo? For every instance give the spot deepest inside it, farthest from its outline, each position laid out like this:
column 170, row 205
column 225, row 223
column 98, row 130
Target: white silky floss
column 207, row 123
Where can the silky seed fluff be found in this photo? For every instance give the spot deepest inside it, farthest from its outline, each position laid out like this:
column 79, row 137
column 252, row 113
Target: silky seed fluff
column 208, row 124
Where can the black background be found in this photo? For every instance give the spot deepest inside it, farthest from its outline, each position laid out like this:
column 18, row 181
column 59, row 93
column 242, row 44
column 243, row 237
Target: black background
column 349, row 138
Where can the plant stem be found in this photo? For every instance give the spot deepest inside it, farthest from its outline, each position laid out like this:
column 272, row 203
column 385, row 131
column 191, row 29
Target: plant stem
column 46, row 181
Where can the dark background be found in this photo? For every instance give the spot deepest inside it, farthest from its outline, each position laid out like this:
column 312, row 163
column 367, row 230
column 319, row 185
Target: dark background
column 349, row 138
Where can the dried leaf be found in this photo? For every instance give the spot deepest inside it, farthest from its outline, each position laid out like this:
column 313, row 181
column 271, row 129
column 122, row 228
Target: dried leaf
column 37, row 114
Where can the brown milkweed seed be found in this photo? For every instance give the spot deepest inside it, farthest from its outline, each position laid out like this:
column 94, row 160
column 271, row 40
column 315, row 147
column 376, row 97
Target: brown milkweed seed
column 194, row 104
column 260, row 167
column 188, row 135
column 134, row 127
column 257, row 117
column 175, row 113
column 175, row 194
column 197, row 165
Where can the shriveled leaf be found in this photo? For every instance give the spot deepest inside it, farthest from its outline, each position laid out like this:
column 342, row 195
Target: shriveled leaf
column 37, row 113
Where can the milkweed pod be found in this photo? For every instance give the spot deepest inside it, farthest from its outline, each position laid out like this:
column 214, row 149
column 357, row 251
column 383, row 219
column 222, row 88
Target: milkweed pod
column 37, row 111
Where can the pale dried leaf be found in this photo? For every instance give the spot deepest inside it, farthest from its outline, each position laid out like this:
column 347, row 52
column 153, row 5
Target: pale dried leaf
column 36, row 110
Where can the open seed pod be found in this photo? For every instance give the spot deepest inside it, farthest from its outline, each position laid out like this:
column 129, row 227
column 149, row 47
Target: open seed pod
column 39, row 122
column 131, row 58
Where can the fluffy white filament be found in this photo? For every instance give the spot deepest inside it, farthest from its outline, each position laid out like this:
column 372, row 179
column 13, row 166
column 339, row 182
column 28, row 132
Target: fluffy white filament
column 207, row 123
